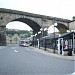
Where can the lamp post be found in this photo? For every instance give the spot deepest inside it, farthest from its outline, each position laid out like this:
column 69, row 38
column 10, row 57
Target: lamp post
column 42, row 32
column 55, row 25
column 45, row 32
column 35, row 39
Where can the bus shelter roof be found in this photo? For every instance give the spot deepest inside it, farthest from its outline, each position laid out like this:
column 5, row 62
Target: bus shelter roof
column 68, row 35
column 65, row 36
column 50, row 37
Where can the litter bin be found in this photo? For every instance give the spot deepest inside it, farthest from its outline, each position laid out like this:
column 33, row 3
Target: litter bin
column 69, row 52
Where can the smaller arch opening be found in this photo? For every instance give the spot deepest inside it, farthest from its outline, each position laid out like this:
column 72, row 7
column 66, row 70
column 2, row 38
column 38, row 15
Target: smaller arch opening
column 62, row 28
column 52, row 29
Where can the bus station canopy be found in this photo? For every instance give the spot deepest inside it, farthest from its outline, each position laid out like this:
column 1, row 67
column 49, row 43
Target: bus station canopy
column 68, row 35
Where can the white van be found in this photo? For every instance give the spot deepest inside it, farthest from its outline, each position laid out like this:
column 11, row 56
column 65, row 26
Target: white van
column 24, row 43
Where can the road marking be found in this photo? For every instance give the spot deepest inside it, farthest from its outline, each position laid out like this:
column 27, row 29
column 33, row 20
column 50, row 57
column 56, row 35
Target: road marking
column 15, row 51
column 73, row 73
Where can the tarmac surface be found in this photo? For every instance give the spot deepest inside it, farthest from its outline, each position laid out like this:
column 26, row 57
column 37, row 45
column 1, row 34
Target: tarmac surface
column 17, row 60
column 50, row 53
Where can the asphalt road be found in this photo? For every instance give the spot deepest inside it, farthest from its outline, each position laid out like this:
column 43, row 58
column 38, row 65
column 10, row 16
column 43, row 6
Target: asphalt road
column 16, row 60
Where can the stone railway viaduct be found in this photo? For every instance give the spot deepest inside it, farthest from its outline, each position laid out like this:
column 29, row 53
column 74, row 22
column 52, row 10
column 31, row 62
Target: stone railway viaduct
column 35, row 21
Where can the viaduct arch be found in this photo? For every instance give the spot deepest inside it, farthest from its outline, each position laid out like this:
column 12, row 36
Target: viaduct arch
column 29, row 22
column 35, row 21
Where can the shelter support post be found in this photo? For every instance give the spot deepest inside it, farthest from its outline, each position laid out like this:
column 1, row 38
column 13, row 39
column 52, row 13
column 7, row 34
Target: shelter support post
column 62, row 47
column 39, row 43
column 45, row 44
column 73, row 44
column 58, row 45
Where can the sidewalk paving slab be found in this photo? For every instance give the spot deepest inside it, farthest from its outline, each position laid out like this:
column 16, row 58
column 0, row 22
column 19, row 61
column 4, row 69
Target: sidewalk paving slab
column 55, row 55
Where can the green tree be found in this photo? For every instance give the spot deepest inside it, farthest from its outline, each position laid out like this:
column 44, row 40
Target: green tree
column 13, row 31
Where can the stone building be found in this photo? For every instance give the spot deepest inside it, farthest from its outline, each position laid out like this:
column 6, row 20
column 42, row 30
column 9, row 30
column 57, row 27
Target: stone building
column 13, row 39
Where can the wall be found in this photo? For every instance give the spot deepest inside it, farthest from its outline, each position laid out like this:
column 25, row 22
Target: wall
column 72, row 25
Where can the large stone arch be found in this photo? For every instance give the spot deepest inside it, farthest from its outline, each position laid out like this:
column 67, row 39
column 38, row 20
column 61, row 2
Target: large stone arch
column 36, row 27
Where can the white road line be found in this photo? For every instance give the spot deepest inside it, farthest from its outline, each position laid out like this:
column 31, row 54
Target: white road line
column 73, row 73
column 15, row 51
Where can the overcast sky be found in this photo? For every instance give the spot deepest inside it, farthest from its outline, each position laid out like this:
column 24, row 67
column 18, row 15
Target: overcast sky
column 56, row 8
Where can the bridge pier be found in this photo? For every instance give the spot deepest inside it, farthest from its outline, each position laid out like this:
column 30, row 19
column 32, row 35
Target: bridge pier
column 2, row 35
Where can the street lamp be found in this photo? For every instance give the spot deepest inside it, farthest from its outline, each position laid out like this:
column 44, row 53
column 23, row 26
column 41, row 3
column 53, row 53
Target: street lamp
column 45, row 31
column 36, row 39
column 41, row 32
column 55, row 25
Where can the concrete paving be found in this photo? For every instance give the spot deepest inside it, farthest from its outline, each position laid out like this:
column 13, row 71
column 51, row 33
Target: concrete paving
column 55, row 55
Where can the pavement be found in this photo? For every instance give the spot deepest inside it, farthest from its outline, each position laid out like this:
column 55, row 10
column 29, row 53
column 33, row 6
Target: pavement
column 72, row 58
